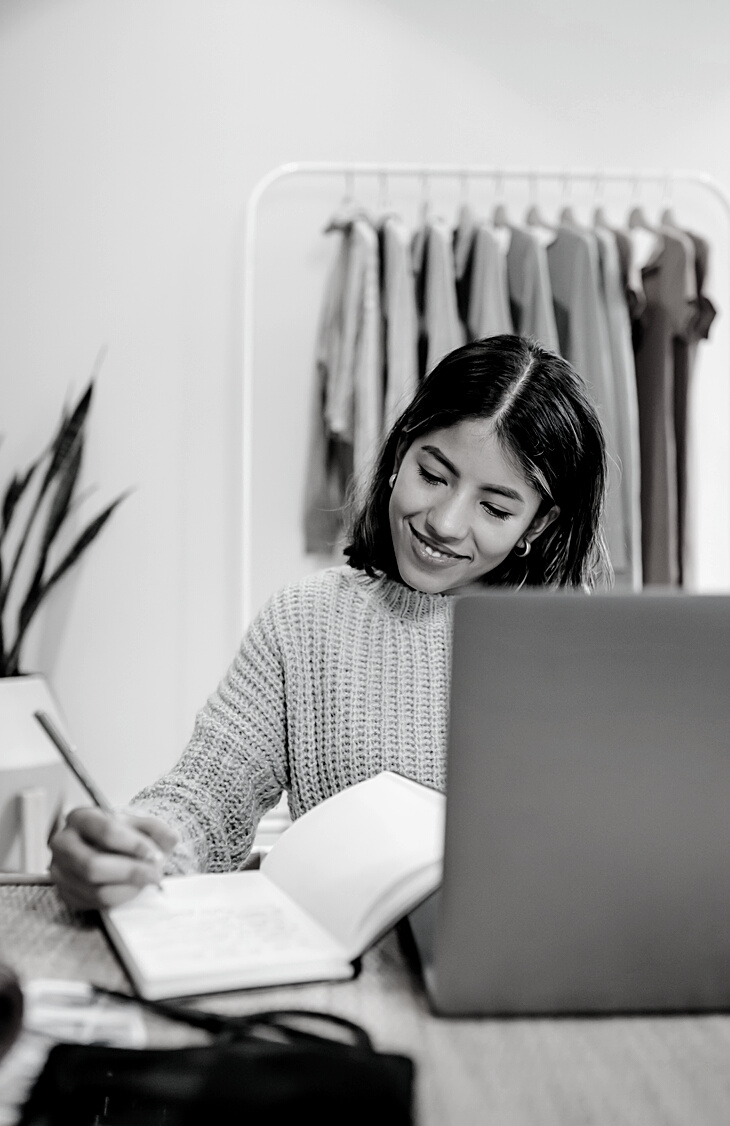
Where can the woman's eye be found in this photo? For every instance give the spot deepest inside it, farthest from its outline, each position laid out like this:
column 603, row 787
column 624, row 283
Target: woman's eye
column 498, row 512
column 432, row 480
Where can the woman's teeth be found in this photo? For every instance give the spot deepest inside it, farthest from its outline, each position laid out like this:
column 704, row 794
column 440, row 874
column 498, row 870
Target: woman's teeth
column 432, row 552
column 435, row 554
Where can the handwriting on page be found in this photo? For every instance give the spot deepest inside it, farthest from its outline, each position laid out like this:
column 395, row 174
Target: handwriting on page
column 218, row 936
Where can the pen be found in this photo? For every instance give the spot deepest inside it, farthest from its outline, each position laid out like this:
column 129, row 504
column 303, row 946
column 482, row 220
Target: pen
column 74, row 763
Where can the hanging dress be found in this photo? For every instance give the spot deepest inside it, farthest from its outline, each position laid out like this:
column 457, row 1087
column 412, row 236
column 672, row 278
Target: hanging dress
column 400, row 319
column 347, row 411
column 530, row 293
column 489, row 308
column 581, row 322
column 670, row 287
column 618, row 327
column 685, row 360
column 440, row 330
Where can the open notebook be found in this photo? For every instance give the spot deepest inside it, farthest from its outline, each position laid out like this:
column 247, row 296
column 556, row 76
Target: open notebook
column 337, row 879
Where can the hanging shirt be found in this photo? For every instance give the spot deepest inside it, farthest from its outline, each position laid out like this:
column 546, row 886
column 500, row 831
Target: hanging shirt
column 633, row 287
column 440, row 330
column 583, row 335
column 528, row 282
column 463, row 242
column 489, row 308
column 347, row 412
column 670, row 287
column 400, row 319
column 685, row 356
column 353, row 405
column 618, row 326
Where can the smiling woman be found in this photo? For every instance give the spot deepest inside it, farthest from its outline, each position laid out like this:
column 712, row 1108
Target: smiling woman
column 459, row 506
column 494, row 474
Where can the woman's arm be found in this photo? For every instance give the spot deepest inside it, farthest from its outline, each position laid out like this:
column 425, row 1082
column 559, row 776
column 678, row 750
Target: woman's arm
column 234, row 767
column 203, row 814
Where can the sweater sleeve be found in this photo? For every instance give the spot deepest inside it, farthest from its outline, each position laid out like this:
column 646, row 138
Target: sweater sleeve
column 235, row 766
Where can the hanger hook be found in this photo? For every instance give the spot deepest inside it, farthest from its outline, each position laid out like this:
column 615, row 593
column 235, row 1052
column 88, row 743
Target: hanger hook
column 425, row 195
column 599, row 186
column 532, row 186
column 349, row 185
column 667, row 216
column 464, row 181
column 383, row 188
column 668, row 188
column 567, row 185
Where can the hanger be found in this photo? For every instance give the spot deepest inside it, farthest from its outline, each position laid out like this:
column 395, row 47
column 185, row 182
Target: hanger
column 667, row 217
column 600, row 218
column 567, row 217
column 534, row 216
column 383, row 194
column 465, row 228
column 500, row 215
column 424, row 210
column 645, row 248
column 638, row 221
column 348, row 208
column 465, row 214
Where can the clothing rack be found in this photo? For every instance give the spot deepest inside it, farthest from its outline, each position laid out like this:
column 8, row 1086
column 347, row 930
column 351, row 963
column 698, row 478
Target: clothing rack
column 423, row 173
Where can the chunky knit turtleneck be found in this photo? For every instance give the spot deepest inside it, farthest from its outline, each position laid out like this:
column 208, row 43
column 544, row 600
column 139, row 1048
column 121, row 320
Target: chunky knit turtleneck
column 339, row 677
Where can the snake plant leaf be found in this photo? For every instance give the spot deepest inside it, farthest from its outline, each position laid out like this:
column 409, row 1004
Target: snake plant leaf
column 33, row 599
column 68, row 433
column 57, row 513
column 2, row 627
column 13, row 493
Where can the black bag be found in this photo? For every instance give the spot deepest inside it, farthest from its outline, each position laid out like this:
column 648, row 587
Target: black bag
column 11, row 1008
column 272, row 1063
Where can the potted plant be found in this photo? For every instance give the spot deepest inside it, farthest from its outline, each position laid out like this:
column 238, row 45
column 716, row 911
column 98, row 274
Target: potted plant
column 37, row 506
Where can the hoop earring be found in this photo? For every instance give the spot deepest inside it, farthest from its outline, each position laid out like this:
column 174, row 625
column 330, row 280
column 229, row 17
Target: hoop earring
column 527, row 547
column 391, row 479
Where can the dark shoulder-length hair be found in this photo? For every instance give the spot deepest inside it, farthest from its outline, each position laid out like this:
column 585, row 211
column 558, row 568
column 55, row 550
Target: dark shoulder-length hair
column 544, row 420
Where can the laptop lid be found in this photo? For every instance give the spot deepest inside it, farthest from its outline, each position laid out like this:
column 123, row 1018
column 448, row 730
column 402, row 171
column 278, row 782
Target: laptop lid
column 587, row 853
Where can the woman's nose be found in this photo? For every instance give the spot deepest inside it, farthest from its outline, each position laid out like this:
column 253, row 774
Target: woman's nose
column 448, row 520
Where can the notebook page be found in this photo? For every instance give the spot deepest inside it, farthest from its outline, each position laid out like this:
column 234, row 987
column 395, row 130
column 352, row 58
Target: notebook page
column 212, row 930
column 355, row 848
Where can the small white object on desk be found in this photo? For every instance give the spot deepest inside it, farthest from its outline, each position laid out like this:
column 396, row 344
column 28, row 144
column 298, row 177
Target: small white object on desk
column 59, row 1010
column 33, row 818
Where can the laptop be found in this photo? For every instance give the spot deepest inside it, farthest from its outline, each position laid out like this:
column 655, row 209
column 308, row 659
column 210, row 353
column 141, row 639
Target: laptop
column 587, row 849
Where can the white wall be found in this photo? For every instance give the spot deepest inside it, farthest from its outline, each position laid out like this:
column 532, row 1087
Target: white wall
column 131, row 133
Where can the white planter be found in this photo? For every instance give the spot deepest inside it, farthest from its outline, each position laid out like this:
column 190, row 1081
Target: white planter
column 32, row 774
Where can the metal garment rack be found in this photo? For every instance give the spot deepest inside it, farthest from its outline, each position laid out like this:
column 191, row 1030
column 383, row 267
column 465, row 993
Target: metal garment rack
column 423, row 173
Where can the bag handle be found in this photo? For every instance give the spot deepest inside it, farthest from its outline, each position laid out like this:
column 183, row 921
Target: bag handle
column 234, row 1027
column 280, row 1019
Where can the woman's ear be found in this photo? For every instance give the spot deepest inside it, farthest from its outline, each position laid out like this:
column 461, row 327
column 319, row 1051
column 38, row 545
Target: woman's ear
column 540, row 523
column 400, row 452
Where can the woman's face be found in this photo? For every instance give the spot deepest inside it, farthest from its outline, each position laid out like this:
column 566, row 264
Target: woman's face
column 458, row 507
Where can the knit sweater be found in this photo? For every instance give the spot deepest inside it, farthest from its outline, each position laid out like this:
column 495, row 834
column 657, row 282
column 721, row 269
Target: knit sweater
column 340, row 676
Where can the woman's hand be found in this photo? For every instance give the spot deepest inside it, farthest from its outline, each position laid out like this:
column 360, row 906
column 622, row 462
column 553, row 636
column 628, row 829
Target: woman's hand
column 101, row 859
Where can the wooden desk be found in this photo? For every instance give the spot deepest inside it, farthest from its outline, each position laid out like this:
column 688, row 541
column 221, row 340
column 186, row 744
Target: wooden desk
column 629, row 1071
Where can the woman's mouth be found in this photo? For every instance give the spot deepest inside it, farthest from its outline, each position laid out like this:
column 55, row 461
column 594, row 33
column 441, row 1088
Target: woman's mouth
column 424, row 549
